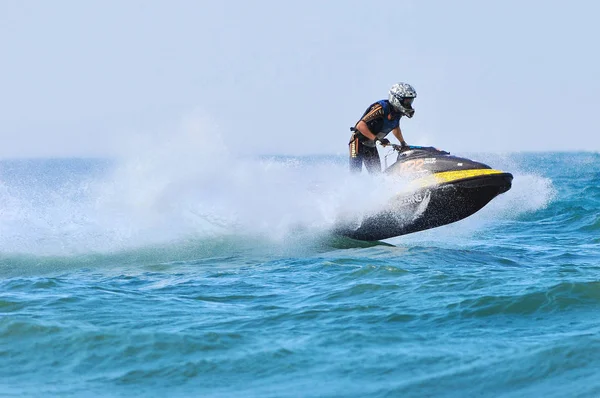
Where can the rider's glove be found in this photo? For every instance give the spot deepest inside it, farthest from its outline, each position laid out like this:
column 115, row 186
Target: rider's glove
column 384, row 141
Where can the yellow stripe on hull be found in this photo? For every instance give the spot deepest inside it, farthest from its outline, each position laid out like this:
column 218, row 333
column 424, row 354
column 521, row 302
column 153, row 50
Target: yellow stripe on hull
column 455, row 175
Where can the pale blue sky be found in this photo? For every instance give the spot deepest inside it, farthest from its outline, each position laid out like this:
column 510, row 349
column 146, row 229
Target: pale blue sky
column 77, row 77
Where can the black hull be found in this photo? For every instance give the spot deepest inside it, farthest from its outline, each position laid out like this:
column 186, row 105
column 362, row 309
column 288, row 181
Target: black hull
column 429, row 208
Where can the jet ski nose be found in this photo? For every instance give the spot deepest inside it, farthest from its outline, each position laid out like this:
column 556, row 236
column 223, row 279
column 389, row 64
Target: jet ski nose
column 507, row 182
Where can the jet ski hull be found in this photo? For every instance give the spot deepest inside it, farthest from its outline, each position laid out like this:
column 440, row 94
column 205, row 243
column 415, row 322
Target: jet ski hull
column 430, row 207
column 449, row 189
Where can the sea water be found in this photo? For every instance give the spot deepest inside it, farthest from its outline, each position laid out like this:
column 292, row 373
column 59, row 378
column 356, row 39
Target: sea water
column 218, row 277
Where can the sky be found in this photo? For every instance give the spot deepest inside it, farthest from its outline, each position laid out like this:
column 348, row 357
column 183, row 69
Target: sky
column 81, row 78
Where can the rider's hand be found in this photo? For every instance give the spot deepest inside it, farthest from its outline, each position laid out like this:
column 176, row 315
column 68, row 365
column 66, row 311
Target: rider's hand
column 384, row 141
column 403, row 145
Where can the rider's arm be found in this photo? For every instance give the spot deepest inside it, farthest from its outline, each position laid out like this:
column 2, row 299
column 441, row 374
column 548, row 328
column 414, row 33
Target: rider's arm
column 398, row 134
column 376, row 112
column 364, row 129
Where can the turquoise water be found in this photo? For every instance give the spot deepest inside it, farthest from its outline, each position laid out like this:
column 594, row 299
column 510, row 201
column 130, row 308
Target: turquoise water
column 157, row 278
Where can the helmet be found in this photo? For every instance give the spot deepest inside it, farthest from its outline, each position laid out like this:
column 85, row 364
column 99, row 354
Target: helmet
column 401, row 98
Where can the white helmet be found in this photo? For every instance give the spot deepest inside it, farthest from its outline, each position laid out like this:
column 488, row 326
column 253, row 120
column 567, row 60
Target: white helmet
column 401, row 98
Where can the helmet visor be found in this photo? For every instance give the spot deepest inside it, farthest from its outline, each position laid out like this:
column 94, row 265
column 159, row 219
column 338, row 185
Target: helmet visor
column 407, row 102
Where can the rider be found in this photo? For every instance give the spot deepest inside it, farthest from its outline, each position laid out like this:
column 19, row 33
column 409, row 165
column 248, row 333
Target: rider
column 377, row 122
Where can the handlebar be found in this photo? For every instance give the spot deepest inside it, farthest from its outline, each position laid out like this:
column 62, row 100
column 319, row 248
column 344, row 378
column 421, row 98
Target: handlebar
column 400, row 148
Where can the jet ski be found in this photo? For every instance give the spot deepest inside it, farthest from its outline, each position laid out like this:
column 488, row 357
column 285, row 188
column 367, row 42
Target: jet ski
column 443, row 189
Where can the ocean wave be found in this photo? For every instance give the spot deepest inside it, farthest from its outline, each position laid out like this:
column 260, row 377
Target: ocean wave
column 561, row 297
